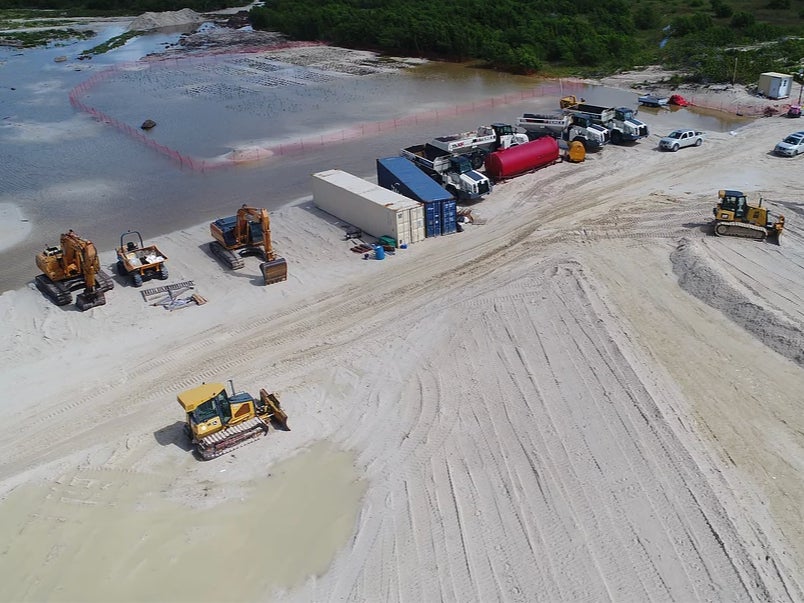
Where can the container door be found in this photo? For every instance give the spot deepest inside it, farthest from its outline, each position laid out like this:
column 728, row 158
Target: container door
column 414, row 220
column 448, row 217
column 417, row 224
column 402, row 233
column 429, row 219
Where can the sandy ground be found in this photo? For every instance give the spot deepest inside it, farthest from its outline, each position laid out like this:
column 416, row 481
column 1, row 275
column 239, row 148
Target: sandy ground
column 586, row 396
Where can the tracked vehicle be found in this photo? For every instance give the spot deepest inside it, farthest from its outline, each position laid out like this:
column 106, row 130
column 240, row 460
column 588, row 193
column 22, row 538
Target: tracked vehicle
column 736, row 217
column 219, row 422
column 248, row 233
column 72, row 265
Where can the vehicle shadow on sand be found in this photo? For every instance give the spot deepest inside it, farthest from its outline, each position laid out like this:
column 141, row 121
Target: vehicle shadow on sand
column 173, row 435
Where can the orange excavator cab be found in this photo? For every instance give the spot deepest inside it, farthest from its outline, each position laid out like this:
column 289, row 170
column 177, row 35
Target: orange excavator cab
column 244, row 234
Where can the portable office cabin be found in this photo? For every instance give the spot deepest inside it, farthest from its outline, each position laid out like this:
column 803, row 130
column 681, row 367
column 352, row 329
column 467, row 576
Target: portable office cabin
column 775, row 85
column 368, row 206
column 403, row 176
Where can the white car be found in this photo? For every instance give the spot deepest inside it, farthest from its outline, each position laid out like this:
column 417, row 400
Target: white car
column 791, row 146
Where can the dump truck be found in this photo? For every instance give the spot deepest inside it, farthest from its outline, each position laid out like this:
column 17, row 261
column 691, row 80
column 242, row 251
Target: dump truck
column 476, row 144
column 217, row 422
column 454, row 172
column 570, row 128
column 621, row 122
column 139, row 262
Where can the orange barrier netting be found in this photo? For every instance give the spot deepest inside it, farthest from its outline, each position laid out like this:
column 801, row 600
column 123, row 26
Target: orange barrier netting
column 297, row 146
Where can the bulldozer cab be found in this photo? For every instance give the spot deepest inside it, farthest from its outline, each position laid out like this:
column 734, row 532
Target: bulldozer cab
column 734, row 201
column 209, row 408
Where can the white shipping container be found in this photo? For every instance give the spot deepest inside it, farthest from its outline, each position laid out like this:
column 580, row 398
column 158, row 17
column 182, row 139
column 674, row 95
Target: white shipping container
column 368, row 206
column 775, row 85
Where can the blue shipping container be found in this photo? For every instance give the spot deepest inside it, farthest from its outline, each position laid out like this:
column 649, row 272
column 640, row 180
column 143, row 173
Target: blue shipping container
column 404, row 177
column 449, row 217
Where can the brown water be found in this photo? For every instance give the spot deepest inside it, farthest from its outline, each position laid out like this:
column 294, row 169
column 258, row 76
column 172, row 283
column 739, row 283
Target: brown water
column 67, row 170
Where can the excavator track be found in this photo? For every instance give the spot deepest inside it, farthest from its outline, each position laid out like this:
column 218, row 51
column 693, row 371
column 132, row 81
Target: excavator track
column 231, row 259
column 60, row 292
column 740, row 229
column 226, row 440
column 56, row 292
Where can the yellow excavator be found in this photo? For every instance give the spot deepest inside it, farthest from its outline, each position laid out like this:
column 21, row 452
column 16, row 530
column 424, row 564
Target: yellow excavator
column 736, row 217
column 244, row 234
column 218, row 422
column 72, row 265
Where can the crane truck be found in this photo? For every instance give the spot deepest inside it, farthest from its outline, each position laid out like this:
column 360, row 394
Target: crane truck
column 619, row 121
column 247, row 233
column 453, row 171
column 476, row 144
column 72, row 265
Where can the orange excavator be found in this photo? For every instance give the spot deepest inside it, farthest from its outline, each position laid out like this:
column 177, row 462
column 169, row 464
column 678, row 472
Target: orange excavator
column 245, row 234
column 72, row 265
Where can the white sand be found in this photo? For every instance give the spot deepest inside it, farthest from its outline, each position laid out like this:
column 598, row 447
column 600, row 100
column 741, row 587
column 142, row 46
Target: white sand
column 536, row 408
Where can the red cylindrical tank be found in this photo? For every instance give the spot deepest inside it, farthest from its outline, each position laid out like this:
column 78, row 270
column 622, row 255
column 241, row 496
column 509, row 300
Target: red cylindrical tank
column 521, row 158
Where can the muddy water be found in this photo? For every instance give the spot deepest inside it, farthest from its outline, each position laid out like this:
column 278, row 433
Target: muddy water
column 65, row 169
column 104, row 535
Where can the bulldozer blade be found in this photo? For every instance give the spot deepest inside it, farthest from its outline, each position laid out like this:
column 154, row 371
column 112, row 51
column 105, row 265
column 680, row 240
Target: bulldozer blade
column 85, row 301
column 274, row 271
column 271, row 402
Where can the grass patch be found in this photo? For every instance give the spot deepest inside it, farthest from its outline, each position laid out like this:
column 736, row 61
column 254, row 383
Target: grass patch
column 112, row 43
column 42, row 37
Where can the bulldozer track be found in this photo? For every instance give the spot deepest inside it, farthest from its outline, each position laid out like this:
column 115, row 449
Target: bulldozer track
column 738, row 229
column 231, row 438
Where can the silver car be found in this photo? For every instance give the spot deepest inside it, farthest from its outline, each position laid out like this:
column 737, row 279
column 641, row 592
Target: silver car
column 791, row 146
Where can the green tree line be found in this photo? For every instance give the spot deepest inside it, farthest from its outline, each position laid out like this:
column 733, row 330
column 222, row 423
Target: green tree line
column 713, row 40
column 530, row 36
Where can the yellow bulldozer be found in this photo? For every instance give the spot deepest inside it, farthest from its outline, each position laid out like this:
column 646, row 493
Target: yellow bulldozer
column 244, row 234
column 736, row 217
column 72, row 265
column 218, row 422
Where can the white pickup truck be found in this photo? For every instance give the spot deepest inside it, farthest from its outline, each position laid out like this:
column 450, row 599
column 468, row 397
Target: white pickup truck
column 678, row 139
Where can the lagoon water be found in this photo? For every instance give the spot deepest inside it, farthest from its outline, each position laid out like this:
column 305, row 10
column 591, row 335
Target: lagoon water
column 65, row 169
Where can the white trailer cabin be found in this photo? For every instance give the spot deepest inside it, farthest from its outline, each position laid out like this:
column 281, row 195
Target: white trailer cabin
column 775, row 85
column 373, row 209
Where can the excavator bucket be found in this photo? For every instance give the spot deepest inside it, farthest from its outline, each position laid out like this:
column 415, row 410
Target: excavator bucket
column 274, row 271
column 86, row 300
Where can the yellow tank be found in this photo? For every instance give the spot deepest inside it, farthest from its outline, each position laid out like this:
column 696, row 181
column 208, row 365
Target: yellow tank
column 576, row 152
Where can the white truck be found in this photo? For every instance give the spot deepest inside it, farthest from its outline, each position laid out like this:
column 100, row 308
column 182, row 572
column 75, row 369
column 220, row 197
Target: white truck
column 566, row 127
column 476, row 144
column 678, row 139
column 453, row 171
column 621, row 122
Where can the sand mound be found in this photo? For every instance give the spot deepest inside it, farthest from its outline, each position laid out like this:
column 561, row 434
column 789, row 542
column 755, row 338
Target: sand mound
column 698, row 278
column 148, row 21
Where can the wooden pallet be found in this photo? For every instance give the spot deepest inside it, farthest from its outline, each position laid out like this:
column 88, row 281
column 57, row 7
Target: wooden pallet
column 147, row 294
